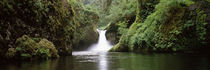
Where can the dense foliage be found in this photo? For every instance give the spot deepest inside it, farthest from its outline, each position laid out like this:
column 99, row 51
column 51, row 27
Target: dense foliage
column 175, row 25
column 49, row 28
column 50, row 19
column 121, row 15
column 43, row 28
column 87, row 21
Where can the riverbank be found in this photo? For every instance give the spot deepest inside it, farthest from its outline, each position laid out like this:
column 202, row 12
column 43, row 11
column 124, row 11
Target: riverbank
column 167, row 26
column 43, row 28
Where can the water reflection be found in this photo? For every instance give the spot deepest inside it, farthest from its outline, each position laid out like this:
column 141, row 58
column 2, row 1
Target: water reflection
column 98, row 58
column 116, row 61
column 103, row 63
column 101, row 48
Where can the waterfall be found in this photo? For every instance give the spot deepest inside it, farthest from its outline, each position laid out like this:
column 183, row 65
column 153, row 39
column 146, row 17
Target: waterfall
column 103, row 45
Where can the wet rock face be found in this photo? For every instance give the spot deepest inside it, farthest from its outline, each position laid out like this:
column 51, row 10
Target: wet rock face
column 116, row 29
column 48, row 19
column 86, row 34
column 86, row 39
column 112, row 37
column 111, row 33
column 120, row 19
column 173, row 26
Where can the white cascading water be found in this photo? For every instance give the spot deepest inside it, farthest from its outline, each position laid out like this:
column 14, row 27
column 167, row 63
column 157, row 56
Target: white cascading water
column 103, row 44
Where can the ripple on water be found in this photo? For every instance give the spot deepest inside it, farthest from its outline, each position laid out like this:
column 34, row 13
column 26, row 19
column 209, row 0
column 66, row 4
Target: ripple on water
column 85, row 56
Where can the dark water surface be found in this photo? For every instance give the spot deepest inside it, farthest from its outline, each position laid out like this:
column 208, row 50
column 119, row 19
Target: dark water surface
column 117, row 61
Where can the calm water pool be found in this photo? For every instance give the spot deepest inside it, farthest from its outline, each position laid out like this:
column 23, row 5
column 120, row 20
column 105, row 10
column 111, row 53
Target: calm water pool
column 83, row 60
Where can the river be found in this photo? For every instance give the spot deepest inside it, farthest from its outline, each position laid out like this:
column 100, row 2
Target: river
column 84, row 60
column 97, row 58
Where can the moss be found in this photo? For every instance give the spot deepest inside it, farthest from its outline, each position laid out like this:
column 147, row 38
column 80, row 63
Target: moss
column 122, row 27
column 165, row 29
column 117, row 11
column 112, row 33
column 28, row 48
column 49, row 19
column 86, row 33
column 11, row 52
column 208, row 0
column 115, row 48
column 26, row 45
column 145, row 8
column 123, row 22
column 47, row 48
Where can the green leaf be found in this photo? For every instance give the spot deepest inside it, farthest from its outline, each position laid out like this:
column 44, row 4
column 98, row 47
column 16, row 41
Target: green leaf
column 25, row 55
column 18, row 49
column 174, row 49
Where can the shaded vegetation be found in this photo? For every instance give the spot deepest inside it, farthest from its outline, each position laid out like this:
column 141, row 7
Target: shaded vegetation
column 28, row 48
column 49, row 28
column 121, row 15
column 50, row 19
column 175, row 25
column 86, row 33
column 41, row 28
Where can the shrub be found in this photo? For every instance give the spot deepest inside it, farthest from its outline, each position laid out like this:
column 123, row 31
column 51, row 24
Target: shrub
column 28, row 48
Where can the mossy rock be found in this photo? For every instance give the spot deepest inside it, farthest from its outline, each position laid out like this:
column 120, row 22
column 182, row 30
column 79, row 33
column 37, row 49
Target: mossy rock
column 28, row 48
column 172, row 27
column 48, row 46
column 11, row 52
column 49, row 19
column 86, row 34
column 27, row 45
